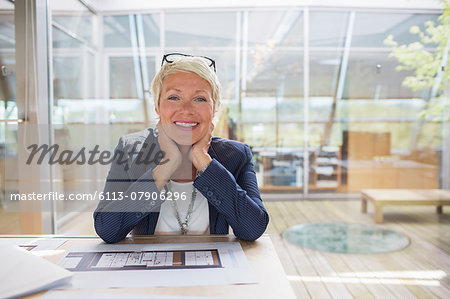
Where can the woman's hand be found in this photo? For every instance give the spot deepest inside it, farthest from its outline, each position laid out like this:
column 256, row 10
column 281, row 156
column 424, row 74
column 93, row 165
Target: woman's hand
column 163, row 172
column 199, row 151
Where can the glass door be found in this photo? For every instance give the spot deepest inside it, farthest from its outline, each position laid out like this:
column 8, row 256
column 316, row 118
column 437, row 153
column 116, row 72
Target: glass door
column 9, row 211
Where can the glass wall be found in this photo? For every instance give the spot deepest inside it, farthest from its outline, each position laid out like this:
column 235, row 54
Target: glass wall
column 269, row 114
column 8, row 118
column 358, row 121
column 75, row 49
column 365, row 128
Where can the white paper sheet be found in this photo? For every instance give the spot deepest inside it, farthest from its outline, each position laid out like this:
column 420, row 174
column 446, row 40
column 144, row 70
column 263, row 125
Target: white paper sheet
column 97, row 295
column 107, row 266
column 23, row 273
column 36, row 244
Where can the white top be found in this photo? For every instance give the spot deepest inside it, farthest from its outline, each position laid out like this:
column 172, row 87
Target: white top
column 199, row 221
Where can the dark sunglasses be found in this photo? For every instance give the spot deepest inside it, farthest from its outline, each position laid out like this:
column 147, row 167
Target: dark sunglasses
column 171, row 57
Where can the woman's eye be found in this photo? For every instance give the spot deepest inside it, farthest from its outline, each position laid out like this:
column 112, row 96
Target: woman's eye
column 172, row 98
column 200, row 99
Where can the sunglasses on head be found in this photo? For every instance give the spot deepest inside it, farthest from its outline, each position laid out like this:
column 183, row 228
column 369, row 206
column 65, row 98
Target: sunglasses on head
column 171, row 57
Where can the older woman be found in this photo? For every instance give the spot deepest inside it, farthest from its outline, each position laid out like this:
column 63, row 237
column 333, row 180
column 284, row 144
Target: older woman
column 202, row 185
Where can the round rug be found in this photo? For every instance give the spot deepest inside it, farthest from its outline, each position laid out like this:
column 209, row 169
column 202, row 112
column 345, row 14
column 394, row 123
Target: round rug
column 345, row 238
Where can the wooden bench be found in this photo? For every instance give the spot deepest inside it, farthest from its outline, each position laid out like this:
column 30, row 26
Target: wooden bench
column 402, row 197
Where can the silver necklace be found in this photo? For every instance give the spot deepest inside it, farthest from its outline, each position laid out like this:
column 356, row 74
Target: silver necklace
column 183, row 225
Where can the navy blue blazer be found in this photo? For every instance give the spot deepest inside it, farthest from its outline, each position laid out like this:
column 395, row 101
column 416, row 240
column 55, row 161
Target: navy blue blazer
column 228, row 183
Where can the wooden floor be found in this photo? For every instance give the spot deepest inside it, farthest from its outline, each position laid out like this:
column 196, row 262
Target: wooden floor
column 422, row 270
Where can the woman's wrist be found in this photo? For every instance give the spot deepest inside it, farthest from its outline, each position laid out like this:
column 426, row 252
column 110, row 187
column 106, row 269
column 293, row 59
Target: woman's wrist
column 159, row 178
column 200, row 172
column 162, row 173
column 203, row 164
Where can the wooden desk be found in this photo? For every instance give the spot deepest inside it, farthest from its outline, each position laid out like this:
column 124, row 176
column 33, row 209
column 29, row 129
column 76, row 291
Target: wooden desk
column 260, row 254
column 383, row 197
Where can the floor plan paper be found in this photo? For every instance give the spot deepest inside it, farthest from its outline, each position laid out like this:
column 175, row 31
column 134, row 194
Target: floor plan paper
column 97, row 295
column 151, row 265
column 23, row 273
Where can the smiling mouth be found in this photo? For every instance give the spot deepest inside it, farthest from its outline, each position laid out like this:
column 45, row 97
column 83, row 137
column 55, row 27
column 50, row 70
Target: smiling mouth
column 186, row 125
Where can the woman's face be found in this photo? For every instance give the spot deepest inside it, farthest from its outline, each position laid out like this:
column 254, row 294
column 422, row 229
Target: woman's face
column 186, row 107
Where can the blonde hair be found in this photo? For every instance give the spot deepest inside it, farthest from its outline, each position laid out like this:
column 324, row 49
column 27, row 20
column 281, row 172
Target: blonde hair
column 197, row 65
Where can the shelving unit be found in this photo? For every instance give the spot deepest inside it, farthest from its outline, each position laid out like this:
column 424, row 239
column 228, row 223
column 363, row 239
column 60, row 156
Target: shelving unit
column 284, row 172
column 326, row 168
